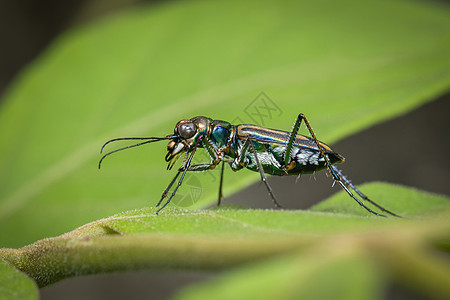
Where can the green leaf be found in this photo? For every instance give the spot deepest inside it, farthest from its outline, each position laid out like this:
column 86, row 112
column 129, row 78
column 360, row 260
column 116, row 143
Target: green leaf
column 346, row 65
column 348, row 265
column 14, row 284
column 340, row 268
column 310, row 276
column 222, row 238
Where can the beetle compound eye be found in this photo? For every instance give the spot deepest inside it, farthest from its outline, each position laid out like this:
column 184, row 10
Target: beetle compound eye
column 187, row 130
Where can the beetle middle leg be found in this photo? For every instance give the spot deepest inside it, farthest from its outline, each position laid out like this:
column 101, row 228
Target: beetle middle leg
column 248, row 146
column 221, row 184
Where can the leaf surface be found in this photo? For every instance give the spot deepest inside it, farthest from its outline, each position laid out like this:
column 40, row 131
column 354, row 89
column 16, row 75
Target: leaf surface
column 222, row 238
column 139, row 72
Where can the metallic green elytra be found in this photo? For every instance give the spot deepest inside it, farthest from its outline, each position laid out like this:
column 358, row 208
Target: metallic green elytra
column 253, row 147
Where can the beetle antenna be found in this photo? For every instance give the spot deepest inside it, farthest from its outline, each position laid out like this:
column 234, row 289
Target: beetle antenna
column 135, row 138
column 148, row 140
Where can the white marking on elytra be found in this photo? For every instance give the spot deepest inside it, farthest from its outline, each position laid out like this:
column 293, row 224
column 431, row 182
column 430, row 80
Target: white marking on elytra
column 305, row 157
column 279, row 151
column 266, row 158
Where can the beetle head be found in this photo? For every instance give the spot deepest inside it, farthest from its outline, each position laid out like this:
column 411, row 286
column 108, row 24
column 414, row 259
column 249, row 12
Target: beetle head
column 186, row 134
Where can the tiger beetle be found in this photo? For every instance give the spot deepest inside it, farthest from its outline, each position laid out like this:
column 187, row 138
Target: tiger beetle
column 259, row 149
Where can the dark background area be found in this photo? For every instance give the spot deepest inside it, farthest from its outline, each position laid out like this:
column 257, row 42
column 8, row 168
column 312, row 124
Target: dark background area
column 410, row 150
column 27, row 27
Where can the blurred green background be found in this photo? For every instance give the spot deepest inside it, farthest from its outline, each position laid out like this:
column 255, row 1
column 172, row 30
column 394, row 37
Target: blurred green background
column 410, row 150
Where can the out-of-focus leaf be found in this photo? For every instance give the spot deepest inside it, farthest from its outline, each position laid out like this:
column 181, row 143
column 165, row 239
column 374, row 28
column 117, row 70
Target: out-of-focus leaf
column 348, row 275
column 14, row 284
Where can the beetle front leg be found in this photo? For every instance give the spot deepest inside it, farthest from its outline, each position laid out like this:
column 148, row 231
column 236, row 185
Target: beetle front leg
column 214, row 153
column 166, row 191
column 202, row 167
column 216, row 158
column 183, row 171
column 193, row 168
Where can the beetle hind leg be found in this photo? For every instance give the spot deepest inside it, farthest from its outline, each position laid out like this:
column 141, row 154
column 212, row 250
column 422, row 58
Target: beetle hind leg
column 339, row 177
column 361, row 194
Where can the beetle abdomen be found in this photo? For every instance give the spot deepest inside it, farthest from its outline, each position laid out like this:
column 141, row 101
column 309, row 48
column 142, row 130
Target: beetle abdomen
column 302, row 160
